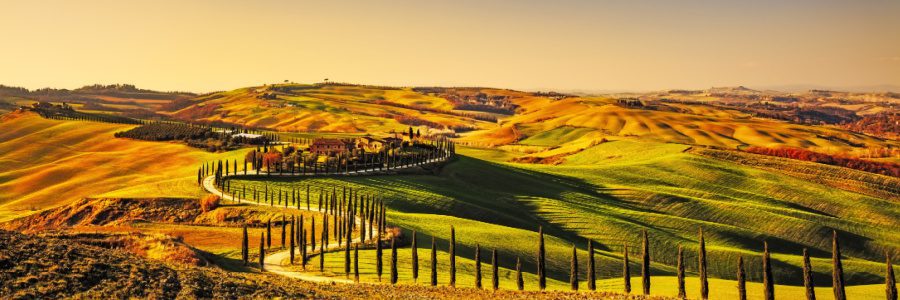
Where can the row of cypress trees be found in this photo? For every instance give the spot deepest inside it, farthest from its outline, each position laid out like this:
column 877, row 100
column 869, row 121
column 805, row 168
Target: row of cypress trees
column 385, row 160
column 768, row 279
column 347, row 210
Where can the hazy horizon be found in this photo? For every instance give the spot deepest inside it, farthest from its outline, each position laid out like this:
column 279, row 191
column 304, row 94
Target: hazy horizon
column 589, row 46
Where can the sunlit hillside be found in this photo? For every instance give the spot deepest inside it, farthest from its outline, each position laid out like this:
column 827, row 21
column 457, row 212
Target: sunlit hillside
column 331, row 108
column 44, row 163
column 546, row 128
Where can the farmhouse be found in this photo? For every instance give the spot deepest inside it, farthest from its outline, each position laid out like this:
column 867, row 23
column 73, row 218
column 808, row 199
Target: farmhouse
column 330, row 146
column 369, row 143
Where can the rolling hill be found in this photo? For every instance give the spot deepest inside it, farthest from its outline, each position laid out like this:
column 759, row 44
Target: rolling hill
column 331, row 108
column 545, row 128
column 582, row 167
column 45, row 163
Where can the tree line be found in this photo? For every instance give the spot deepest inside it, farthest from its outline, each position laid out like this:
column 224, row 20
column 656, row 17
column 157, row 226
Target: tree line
column 196, row 135
column 381, row 241
column 341, row 214
column 291, row 161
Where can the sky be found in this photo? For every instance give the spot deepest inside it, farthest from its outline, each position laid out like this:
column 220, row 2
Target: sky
column 563, row 45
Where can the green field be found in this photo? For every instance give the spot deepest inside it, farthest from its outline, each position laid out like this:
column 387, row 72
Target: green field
column 556, row 136
column 608, row 196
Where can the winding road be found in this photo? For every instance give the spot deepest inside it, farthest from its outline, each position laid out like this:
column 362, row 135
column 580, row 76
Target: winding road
column 274, row 262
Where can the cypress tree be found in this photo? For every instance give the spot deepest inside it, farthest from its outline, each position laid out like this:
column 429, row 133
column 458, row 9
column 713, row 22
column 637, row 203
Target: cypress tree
column 324, row 231
column 303, row 252
column 378, row 266
column 591, row 274
column 356, row 263
column 680, row 270
column 383, row 217
column 768, row 281
column 322, row 252
column 573, row 274
column 495, row 275
column 362, row 229
column 626, row 272
column 701, row 257
column 433, row 262
column 312, row 235
column 520, row 283
column 837, row 274
column 415, row 256
column 291, row 239
column 283, row 231
column 262, row 253
column 542, row 275
column 347, row 253
column 393, row 260
column 807, row 276
column 269, row 233
column 477, row 266
column 890, row 285
column 645, row 264
column 452, row 256
column 741, row 280
column 245, row 246
column 299, row 232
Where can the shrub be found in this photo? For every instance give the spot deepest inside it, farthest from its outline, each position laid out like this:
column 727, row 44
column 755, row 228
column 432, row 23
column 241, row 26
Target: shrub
column 209, row 202
column 884, row 168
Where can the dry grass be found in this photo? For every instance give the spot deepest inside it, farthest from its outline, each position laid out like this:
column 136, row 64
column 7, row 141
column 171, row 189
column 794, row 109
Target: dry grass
column 551, row 123
column 45, row 163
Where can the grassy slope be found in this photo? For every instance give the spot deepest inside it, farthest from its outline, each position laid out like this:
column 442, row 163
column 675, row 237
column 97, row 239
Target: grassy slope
column 44, row 163
column 665, row 191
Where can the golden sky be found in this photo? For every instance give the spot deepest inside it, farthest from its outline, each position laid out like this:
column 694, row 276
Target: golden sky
column 562, row 45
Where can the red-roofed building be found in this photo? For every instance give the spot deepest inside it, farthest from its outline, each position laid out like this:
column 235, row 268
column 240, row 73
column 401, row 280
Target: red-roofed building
column 330, row 146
